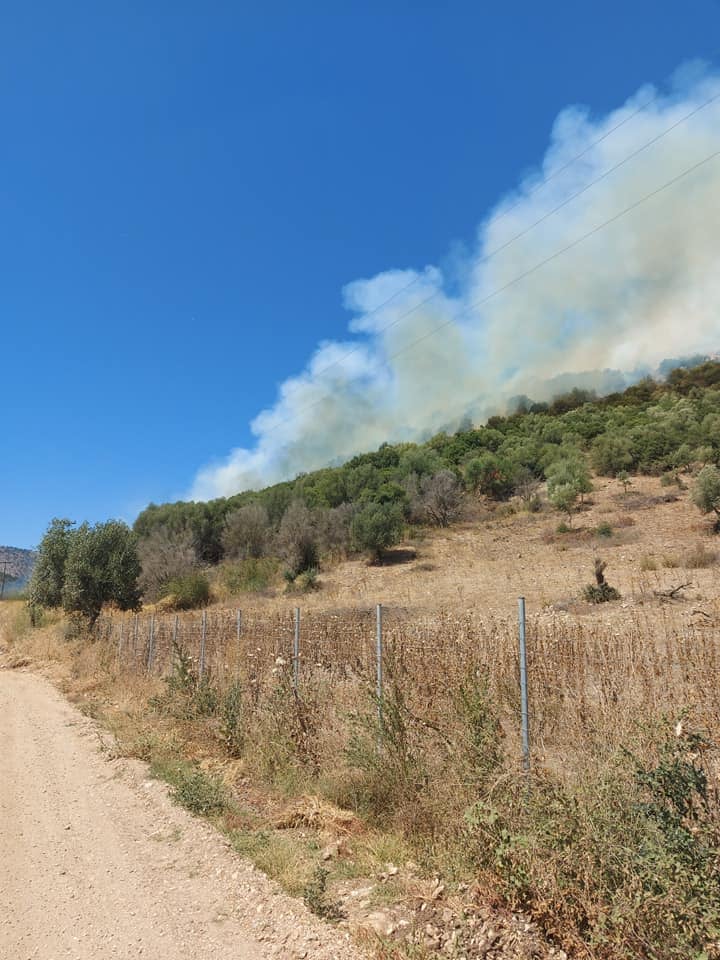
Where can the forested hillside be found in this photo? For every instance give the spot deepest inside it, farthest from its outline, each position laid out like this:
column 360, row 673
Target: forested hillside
column 654, row 428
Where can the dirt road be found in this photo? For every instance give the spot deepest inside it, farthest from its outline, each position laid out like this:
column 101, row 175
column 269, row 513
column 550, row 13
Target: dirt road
column 96, row 862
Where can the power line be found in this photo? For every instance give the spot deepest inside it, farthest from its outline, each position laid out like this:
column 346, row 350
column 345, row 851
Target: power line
column 483, row 300
column 488, row 256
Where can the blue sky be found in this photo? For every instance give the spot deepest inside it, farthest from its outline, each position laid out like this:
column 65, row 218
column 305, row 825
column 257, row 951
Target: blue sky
column 185, row 189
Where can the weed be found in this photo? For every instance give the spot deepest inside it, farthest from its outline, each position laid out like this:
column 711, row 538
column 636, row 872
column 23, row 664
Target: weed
column 316, row 897
column 192, row 788
column 699, row 558
column 231, row 720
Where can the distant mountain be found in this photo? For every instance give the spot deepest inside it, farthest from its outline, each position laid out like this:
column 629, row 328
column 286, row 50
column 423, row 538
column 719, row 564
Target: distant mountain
column 18, row 565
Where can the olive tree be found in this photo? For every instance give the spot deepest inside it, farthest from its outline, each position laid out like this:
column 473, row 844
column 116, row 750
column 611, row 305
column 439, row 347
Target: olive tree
column 102, row 566
column 48, row 577
column 377, row 527
column 706, row 492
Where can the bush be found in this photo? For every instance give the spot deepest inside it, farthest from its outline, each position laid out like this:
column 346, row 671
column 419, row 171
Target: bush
column 297, row 539
column 604, row 529
column 706, row 492
column 376, row 528
column 600, row 593
column 440, row 498
column 248, row 576
column 621, row 866
column 164, row 555
column 247, row 532
column 699, row 558
column 188, row 592
column 192, row 788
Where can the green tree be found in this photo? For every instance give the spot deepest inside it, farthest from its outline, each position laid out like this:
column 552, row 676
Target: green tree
column 564, row 497
column 568, row 479
column 102, row 567
column 706, row 492
column 490, row 475
column 611, row 454
column 377, row 527
column 48, row 578
column 570, row 469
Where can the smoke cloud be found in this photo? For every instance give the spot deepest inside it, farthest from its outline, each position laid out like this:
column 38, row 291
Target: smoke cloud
column 643, row 288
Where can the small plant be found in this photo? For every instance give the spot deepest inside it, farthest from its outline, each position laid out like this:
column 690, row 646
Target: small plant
column 699, row 558
column 316, row 897
column 309, row 580
column 604, row 529
column 231, row 727
column 206, row 699
column 600, row 591
column 192, row 788
column 624, row 478
column 182, row 678
column 562, row 527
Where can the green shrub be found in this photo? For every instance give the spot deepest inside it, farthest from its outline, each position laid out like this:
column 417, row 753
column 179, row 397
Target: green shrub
column 189, row 591
column 600, row 593
column 253, row 575
column 620, row 865
column 604, row 529
column 193, row 788
column 316, row 897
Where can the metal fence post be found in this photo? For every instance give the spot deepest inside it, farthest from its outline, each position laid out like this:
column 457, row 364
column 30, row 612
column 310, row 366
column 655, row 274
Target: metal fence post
column 203, row 636
column 239, row 641
column 135, row 637
column 151, row 639
column 175, row 633
column 120, row 639
column 296, row 651
column 524, row 688
column 379, row 666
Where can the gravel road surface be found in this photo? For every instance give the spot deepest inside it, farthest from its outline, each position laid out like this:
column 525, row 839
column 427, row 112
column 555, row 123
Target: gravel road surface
column 96, row 862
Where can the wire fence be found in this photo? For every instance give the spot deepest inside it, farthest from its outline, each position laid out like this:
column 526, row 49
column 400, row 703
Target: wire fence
column 581, row 677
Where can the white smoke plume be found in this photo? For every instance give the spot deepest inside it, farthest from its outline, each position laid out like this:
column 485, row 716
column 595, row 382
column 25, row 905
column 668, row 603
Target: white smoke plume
column 643, row 288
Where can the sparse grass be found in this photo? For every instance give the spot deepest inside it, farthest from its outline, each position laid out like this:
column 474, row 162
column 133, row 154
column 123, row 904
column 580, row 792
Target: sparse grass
column 699, row 558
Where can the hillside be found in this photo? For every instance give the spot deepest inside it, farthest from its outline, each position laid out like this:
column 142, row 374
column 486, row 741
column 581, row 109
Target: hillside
column 667, row 430
column 18, row 563
column 652, row 538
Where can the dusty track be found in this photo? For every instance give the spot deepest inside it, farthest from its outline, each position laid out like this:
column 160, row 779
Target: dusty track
column 95, row 862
